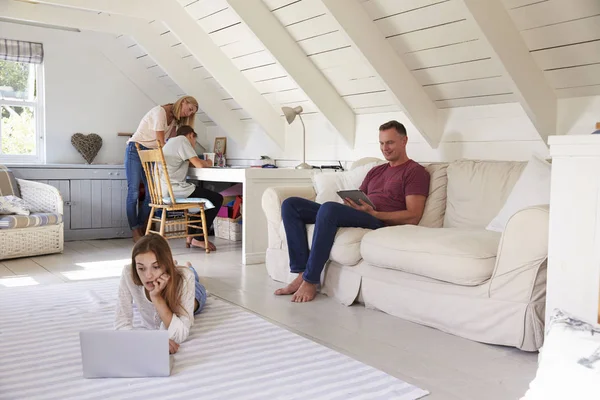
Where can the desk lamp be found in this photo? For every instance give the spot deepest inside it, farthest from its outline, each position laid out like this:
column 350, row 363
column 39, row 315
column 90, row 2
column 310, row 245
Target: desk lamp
column 290, row 115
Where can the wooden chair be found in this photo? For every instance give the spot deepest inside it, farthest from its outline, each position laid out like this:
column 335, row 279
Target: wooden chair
column 155, row 167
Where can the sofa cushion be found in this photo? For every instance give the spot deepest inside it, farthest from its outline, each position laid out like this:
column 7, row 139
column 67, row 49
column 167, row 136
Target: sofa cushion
column 532, row 189
column 29, row 221
column 435, row 206
column 477, row 190
column 346, row 247
column 8, row 183
column 327, row 184
column 457, row 255
column 13, row 205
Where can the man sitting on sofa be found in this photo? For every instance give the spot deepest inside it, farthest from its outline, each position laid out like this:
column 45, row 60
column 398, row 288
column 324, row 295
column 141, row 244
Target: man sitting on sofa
column 397, row 189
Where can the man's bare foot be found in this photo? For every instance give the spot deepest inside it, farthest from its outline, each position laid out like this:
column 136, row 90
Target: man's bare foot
column 306, row 292
column 137, row 234
column 291, row 288
column 200, row 243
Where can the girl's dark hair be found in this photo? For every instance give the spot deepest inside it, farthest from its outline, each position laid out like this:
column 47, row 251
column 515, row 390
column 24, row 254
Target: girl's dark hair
column 184, row 130
column 158, row 245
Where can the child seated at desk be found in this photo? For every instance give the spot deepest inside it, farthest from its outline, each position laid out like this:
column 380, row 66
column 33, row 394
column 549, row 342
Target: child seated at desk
column 179, row 153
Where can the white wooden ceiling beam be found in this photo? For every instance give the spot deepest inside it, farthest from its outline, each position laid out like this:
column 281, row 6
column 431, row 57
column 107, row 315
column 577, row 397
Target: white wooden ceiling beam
column 208, row 97
column 200, row 44
column 183, row 25
column 135, row 71
column 369, row 42
column 277, row 40
column 529, row 84
column 133, row 8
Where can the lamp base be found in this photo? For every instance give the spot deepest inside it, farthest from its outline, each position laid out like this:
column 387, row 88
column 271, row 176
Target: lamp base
column 303, row 166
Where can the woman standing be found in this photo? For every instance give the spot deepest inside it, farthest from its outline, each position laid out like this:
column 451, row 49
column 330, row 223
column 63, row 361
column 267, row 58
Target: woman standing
column 158, row 124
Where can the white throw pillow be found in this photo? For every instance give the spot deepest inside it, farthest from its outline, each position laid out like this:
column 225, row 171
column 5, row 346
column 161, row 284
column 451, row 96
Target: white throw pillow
column 13, row 205
column 569, row 361
column 327, row 184
column 532, row 189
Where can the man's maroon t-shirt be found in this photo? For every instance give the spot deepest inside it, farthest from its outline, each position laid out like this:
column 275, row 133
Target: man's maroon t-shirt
column 387, row 187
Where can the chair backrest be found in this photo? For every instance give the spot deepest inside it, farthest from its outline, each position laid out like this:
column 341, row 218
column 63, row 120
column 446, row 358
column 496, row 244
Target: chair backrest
column 155, row 167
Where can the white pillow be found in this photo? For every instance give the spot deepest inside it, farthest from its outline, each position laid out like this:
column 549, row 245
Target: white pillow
column 13, row 205
column 569, row 361
column 532, row 189
column 327, row 184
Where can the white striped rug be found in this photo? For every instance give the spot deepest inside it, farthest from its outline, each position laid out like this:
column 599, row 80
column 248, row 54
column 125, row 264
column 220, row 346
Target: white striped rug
column 230, row 354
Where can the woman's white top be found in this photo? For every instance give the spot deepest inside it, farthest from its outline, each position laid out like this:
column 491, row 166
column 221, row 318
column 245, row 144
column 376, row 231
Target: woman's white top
column 154, row 120
column 130, row 293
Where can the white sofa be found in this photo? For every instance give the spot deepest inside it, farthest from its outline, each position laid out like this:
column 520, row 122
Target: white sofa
column 448, row 272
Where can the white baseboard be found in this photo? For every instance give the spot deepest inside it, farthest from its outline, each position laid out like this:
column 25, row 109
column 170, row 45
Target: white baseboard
column 254, row 258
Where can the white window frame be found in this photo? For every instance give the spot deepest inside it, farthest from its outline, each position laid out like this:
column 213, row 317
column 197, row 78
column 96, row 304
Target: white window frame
column 40, row 124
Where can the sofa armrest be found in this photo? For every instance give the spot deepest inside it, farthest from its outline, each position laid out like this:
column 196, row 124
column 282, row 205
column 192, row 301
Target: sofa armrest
column 41, row 197
column 271, row 205
column 519, row 274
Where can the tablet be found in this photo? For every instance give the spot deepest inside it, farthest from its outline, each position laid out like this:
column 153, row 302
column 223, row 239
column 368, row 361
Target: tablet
column 355, row 196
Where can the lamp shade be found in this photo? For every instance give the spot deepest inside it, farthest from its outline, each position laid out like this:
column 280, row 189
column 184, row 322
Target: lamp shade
column 290, row 113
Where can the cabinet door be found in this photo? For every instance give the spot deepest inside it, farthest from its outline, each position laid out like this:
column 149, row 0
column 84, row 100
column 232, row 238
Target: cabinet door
column 63, row 187
column 97, row 204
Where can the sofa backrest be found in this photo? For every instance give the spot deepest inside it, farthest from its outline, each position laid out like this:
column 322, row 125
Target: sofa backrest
column 477, row 190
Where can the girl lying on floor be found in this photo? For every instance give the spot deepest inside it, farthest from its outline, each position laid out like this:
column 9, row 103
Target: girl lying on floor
column 166, row 296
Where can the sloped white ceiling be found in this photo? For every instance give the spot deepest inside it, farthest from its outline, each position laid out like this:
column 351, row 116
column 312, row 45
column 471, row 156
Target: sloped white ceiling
column 564, row 39
column 437, row 40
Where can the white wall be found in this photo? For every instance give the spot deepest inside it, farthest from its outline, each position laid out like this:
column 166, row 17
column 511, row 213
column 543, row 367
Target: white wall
column 84, row 92
column 501, row 131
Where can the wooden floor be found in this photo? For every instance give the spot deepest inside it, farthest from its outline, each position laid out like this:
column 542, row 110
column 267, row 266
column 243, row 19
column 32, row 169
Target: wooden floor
column 449, row 367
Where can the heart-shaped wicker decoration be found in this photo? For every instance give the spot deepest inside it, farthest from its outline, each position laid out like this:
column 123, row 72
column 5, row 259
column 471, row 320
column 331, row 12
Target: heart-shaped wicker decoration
column 87, row 145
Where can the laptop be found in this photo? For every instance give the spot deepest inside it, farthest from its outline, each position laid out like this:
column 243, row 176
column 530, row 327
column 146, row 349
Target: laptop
column 125, row 353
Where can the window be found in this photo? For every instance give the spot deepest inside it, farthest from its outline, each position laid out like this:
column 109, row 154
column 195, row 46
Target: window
column 21, row 107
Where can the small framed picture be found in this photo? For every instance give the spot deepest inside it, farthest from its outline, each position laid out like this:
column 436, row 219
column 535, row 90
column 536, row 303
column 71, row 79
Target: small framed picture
column 220, row 145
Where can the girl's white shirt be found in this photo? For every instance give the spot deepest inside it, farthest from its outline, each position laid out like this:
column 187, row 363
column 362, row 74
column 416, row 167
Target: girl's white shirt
column 130, row 293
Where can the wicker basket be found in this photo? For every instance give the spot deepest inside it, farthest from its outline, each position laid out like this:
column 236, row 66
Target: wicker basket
column 228, row 228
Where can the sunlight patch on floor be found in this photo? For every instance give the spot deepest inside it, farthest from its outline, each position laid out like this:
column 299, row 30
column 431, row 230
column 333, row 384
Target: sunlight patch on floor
column 97, row 269
column 16, row 281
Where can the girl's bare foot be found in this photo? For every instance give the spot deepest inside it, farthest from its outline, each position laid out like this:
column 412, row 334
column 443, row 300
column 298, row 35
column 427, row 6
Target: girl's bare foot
column 200, row 243
column 291, row 288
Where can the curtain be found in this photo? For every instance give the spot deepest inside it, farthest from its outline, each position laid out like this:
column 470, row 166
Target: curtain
column 20, row 51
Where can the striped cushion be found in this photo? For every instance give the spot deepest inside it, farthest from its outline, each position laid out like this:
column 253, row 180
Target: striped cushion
column 8, row 183
column 29, row 221
column 207, row 203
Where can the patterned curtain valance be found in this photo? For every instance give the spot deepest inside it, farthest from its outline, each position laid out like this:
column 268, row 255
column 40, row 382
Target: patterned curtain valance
column 20, row 51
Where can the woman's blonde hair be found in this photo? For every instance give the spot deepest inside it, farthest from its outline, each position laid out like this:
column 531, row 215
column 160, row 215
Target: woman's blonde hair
column 158, row 245
column 177, row 111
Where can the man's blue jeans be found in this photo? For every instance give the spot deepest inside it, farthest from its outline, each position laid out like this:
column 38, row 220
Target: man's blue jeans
column 328, row 217
column 135, row 175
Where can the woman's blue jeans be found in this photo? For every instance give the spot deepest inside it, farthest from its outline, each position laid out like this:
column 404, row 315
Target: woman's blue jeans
column 137, row 218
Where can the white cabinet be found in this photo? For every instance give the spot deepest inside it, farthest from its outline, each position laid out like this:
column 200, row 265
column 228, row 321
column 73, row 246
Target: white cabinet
column 94, row 198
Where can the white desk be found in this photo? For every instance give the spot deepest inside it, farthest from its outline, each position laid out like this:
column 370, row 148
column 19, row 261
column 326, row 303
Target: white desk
column 255, row 181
